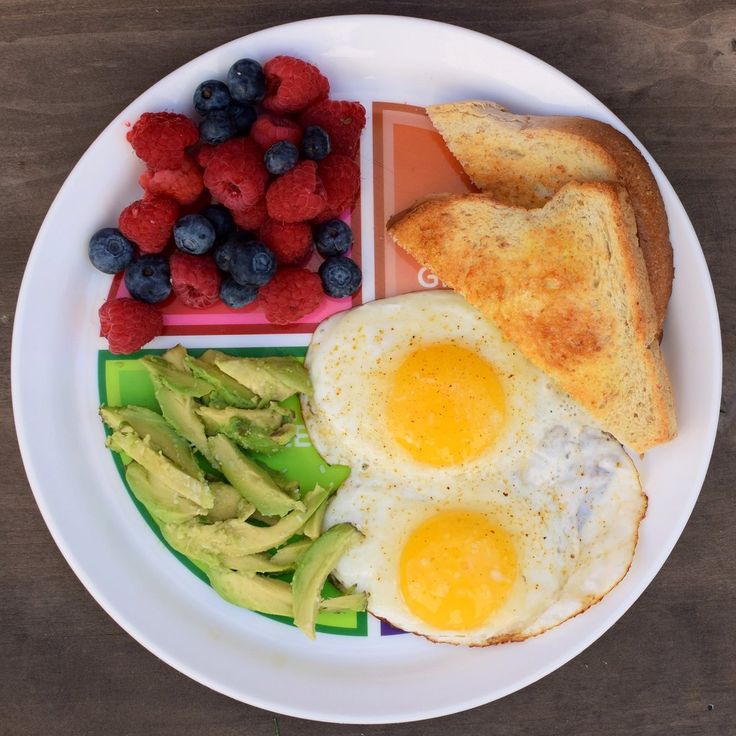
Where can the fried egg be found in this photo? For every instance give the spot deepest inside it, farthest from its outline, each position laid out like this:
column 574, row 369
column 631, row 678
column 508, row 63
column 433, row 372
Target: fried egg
column 492, row 507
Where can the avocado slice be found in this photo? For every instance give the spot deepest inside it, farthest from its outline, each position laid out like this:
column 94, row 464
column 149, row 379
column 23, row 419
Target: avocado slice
column 269, row 419
column 162, row 436
column 274, row 378
column 350, row 602
column 250, row 480
column 253, row 438
column 248, row 590
column 159, row 467
column 313, row 528
column 176, row 356
column 180, row 411
column 227, row 390
column 254, row 563
column 173, row 378
column 234, row 538
column 161, row 501
column 290, row 553
column 312, row 571
column 229, row 504
column 212, row 356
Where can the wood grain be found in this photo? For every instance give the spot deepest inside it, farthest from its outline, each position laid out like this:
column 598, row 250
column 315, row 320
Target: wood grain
column 667, row 68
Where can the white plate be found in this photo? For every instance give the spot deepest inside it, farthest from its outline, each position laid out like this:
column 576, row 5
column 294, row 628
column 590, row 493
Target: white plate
column 107, row 543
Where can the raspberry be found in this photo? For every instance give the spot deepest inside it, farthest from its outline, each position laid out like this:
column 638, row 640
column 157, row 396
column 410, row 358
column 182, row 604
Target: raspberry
column 183, row 184
column 270, row 129
column 340, row 176
column 235, row 174
column 251, row 218
column 342, row 120
column 298, row 195
column 291, row 293
column 195, row 280
column 160, row 138
column 148, row 222
column 293, row 84
column 129, row 324
column 290, row 241
column 203, row 154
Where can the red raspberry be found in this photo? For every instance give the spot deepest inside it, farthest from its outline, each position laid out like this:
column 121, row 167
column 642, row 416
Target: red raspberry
column 148, row 222
column 129, row 324
column 251, row 218
column 160, row 138
column 340, row 176
column 290, row 241
column 293, row 84
column 342, row 120
column 183, row 184
column 195, row 280
column 235, row 173
column 203, row 154
column 269, row 129
column 290, row 294
column 296, row 196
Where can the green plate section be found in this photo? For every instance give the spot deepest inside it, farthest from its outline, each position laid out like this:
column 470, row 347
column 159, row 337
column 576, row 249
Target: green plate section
column 123, row 380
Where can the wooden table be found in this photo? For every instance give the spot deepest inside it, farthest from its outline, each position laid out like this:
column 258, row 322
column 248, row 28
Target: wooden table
column 668, row 69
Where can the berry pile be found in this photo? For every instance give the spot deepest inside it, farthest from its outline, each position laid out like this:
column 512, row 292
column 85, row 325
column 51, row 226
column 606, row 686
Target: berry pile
column 235, row 204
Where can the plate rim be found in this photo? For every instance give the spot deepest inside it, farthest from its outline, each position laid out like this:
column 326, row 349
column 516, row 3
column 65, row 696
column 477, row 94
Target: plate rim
column 276, row 705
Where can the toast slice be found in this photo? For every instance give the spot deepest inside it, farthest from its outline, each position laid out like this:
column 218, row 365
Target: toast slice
column 567, row 284
column 524, row 159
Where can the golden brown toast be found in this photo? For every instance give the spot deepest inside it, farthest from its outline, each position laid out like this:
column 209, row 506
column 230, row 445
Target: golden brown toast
column 524, row 159
column 568, row 285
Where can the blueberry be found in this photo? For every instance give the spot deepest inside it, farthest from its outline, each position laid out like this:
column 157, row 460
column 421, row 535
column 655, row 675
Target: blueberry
column 333, row 238
column 281, row 157
column 224, row 253
column 237, row 295
column 243, row 117
column 221, row 220
column 216, row 127
column 254, row 264
column 110, row 251
column 246, row 81
column 194, row 234
column 148, row 279
column 211, row 95
column 340, row 276
column 315, row 143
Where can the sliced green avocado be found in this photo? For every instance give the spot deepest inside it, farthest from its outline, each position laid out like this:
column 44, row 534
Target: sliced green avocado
column 229, row 504
column 176, row 356
column 234, row 538
column 269, row 419
column 229, row 391
column 161, row 435
column 274, row 378
column 313, row 528
column 161, row 501
column 247, row 590
column 256, row 439
column 159, row 467
column 211, row 356
column 290, row 553
column 250, row 480
column 350, row 602
column 173, row 378
column 254, row 563
column 180, row 411
column 312, row 571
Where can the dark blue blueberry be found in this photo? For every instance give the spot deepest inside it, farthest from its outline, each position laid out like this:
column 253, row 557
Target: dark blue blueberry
column 280, row 157
column 149, row 279
column 254, row 264
column 224, row 252
column 110, row 251
column 340, row 276
column 194, row 234
column 216, row 127
column 237, row 295
column 333, row 238
column 211, row 95
column 243, row 117
column 246, row 81
column 315, row 143
column 221, row 220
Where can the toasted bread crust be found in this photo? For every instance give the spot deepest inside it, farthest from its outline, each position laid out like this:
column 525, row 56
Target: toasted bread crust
column 568, row 285
column 590, row 151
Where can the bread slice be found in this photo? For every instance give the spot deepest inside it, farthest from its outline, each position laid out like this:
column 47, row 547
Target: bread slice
column 567, row 284
column 524, row 159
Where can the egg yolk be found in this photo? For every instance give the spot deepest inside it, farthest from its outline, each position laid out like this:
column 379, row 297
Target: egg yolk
column 445, row 404
column 456, row 569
